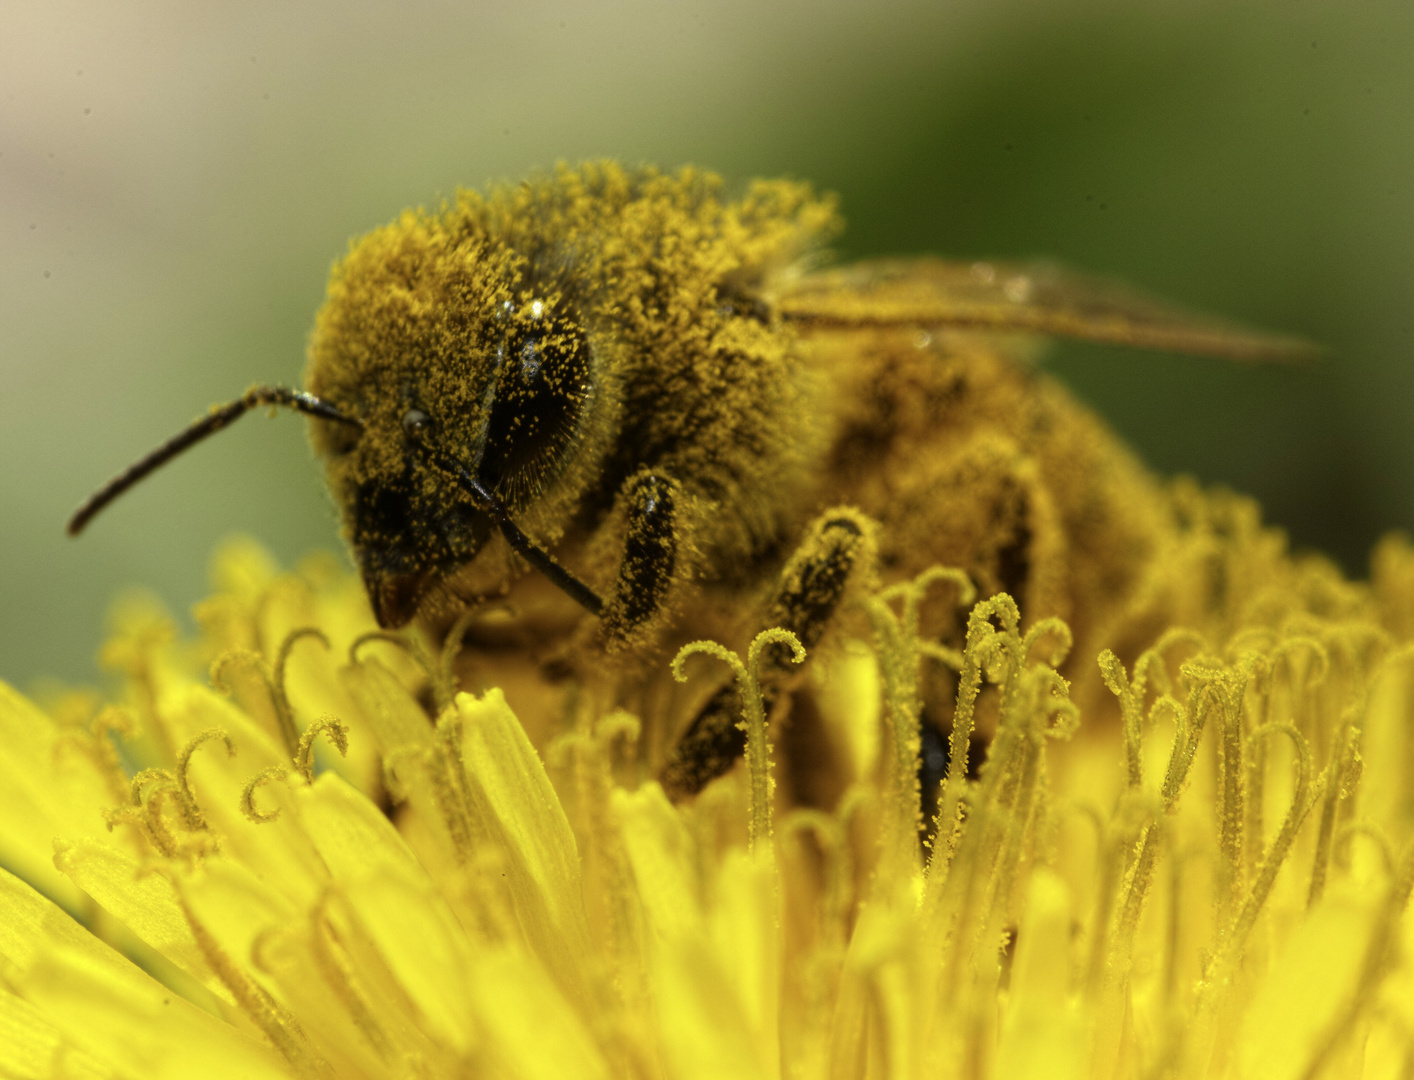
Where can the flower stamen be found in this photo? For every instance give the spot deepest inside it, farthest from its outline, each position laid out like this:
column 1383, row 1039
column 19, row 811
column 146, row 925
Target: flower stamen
column 260, row 779
column 753, row 722
column 285, row 715
column 338, row 734
column 191, row 812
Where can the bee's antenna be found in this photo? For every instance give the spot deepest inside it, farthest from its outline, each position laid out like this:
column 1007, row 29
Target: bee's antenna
column 523, row 545
column 217, row 418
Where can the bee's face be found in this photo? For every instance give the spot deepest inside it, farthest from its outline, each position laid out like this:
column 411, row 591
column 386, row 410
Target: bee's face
column 459, row 375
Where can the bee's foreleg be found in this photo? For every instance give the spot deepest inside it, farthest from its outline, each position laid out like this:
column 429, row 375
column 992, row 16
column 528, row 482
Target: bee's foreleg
column 811, row 587
column 649, row 559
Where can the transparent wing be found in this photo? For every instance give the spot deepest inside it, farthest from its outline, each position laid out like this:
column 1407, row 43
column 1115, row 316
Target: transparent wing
column 1036, row 297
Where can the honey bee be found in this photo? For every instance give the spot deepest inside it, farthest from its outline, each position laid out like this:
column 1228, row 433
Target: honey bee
column 637, row 406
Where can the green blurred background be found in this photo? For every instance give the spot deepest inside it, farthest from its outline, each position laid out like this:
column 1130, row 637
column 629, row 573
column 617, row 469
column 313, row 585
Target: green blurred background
column 175, row 179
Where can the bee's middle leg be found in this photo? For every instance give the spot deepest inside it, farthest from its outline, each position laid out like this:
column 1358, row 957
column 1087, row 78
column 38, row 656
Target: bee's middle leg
column 649, row 559
column 809, row 593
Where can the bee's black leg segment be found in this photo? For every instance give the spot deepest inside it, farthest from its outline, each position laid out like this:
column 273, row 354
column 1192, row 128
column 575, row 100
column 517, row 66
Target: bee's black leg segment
column 811, row 587
column 711, row 745
column 650, row 557
column 813, row 582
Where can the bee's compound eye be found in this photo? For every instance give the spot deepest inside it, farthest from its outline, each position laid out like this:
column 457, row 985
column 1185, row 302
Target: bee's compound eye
column 416, row 422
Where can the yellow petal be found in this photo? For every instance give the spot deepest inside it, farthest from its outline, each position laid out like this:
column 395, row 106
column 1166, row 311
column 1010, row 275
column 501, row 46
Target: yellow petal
column 519, row 807
column 277, row 851
column 1313, row 978
column 705, row 1031
column 387, row 708
column 416, row 938
column 46, row 790
column 851, row 703
column 660, row 851
column 32, row 1048
column 146, row 904
column 420, row 944
column 532, row 1029
column 353, row 837
column 110, row 1008
column 876, row 1027
column 139, row 1026
column 716, row 983
column 348, row 1024
column 1041, row 1036
column 744, row 925
column 234, row 906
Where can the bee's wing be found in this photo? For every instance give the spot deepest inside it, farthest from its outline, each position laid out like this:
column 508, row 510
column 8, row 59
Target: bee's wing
column 1036, row 297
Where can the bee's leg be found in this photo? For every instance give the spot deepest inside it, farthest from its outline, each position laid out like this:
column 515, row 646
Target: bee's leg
column 811, row 587
column 649, row 559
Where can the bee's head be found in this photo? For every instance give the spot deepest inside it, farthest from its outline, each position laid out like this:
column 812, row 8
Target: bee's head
column 448, row 395
column 472, row 392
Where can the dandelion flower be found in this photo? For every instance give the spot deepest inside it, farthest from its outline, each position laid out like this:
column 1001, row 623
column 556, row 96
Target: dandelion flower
column 290, row 848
